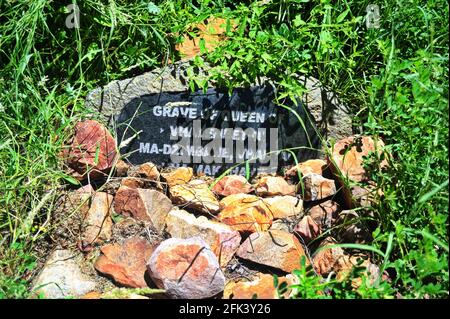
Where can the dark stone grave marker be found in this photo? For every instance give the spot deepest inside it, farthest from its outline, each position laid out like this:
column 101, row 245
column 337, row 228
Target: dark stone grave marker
column 157, row 118
column 214, row 131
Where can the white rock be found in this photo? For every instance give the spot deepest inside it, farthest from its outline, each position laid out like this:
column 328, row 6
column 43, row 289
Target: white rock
column 61, row 277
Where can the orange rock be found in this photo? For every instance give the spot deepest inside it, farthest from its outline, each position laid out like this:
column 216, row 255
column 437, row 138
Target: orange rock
column 226, row 201
column 132, row 182
column 307, row 229
column 284, row 206
column 273, row 185
column 262, row 287
column 223, row 240
column 318, row 187
column 348, row 156
column 186, row 268
column 361, row 196
column 78, row 201
column 329, row 259
column 147, row 205
column 246, row 214
column 126, row 263
column 364, row 268
column 92, row 151
column 122, row 168
column 195, row 195
column 115, row 293
column 92, row 295
column 232, row 184
column 178, row 176
column 274, row 248
column 149, row 171
column 316, row 166
column 348, row 263
column 324, row 214
column 97, row 224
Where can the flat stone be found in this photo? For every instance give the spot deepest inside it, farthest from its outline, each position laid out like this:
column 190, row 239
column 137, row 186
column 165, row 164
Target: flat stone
column 316, row 166
column 318, row 187
column 274, row 248
column 226, row 201
column 195, row 195
column 61, row 277
column 118, row 101
column 178, row 176
column 186, row 269
column 92, row 151
column 273, row 186
column 348, row 156
column 246, row 214
column 97, row 224
column 368, row 269
column 126, row 262
column 284, row 206
column 331, row 117
column 232, row 184
column 147, row 205
column 221, row 238
column 262, row 287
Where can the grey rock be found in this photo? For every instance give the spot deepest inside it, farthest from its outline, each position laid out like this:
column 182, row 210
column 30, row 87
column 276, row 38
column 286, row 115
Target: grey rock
column 333, row 119
column 61, row 277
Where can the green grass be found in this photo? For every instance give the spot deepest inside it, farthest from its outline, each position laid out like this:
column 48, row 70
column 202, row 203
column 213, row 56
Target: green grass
column 395, row 78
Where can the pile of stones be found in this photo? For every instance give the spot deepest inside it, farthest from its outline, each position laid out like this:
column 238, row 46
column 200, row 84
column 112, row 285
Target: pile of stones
column 146, row 232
